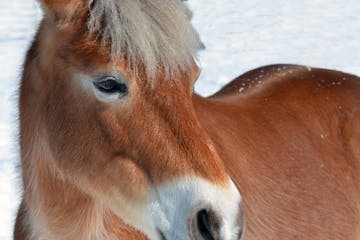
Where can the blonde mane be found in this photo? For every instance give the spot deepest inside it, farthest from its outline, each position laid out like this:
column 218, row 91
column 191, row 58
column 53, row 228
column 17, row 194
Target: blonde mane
column 157, row 33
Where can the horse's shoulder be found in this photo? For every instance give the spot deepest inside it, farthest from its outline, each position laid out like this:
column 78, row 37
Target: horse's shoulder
column 284, row 79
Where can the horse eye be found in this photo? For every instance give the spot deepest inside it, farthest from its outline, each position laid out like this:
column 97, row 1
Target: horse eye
column 110, row 86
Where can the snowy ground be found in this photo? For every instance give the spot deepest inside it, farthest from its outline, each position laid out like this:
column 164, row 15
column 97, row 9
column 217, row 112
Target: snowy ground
column 239, row 35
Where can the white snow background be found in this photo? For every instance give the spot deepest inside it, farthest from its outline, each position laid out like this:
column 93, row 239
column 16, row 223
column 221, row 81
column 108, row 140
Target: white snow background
column 239, row 34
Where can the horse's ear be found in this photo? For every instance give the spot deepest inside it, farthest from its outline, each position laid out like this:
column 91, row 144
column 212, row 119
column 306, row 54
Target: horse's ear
column 60, row 9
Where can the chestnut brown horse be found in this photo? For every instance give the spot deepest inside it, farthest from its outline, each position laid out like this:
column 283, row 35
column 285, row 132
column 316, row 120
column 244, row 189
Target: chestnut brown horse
column 115, row 144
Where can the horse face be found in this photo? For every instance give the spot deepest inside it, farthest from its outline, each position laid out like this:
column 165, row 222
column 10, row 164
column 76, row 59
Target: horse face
column 131, row 142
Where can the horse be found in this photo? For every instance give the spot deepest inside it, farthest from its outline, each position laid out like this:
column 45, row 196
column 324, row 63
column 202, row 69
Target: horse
column 109, row 140
column 115, row 143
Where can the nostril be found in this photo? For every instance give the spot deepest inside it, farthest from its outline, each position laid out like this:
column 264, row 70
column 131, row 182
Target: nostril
column 241, row 224
column 240, row 234
column 204, row 225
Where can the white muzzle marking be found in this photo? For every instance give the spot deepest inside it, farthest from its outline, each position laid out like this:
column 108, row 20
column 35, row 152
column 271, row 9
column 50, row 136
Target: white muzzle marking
column 172, row 207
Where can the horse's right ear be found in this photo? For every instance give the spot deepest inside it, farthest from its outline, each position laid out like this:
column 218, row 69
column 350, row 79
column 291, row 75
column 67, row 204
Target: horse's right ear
column 60, row 9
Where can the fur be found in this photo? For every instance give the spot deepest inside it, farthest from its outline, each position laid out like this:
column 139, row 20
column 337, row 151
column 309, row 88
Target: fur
column 157, row 33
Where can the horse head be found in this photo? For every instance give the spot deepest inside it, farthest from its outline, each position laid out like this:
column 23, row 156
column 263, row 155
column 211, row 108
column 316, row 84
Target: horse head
column 114, row 82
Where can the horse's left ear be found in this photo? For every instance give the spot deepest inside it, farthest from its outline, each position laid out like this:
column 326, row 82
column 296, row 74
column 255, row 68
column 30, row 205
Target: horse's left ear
column 61, row 9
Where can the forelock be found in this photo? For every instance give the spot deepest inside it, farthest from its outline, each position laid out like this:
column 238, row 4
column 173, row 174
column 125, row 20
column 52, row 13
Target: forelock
column 155, row 33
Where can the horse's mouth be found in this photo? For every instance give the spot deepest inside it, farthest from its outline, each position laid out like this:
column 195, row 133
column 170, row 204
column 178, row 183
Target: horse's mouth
column 161, row 234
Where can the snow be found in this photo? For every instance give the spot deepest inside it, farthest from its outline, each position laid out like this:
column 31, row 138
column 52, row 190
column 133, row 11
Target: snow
column 239, row 34
column 244, row 34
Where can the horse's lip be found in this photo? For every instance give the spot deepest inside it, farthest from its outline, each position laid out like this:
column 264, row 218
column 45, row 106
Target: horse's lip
column 162, row 235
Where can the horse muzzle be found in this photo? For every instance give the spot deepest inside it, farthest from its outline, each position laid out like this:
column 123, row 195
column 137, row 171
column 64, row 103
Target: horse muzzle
column 195, row 209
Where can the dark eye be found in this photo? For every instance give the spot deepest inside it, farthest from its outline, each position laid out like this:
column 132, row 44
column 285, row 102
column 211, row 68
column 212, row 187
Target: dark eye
column 110, row 85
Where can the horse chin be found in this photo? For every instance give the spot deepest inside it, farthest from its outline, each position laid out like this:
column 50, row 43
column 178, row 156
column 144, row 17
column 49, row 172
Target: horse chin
column 134, row 214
